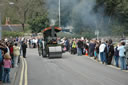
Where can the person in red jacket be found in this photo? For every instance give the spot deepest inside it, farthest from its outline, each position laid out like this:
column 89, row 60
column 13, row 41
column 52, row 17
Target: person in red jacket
column 11, row 53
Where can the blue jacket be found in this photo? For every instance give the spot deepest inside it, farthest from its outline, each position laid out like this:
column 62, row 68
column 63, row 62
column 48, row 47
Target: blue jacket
column 1, row 58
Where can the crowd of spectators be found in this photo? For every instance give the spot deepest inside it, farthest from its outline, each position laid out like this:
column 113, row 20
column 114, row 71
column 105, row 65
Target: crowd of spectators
column 10, row 52
column 101, row 50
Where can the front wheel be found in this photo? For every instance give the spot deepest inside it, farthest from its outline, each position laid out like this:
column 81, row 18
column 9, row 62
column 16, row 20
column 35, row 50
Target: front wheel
column 39, row 51
column 44, row 53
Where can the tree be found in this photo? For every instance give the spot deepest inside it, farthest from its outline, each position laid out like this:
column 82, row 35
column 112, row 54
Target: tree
column 116, row 13
column 23, row 10
column 38, row 23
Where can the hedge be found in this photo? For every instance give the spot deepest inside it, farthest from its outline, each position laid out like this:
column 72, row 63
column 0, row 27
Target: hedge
column 11, row 34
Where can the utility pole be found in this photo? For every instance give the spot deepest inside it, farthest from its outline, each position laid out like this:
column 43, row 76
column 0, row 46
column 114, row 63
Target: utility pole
column 97, row 34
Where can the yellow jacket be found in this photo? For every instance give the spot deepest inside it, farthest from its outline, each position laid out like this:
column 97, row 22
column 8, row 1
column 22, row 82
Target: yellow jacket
column 73, row 44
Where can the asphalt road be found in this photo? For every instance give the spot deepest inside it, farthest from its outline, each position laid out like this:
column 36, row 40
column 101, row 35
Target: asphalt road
column 71, row 70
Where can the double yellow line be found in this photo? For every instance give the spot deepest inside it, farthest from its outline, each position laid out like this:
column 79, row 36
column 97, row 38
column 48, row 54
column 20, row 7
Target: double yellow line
column 24, row 75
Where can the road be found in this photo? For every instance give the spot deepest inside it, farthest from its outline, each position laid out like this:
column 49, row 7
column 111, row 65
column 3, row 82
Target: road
column 71, row 70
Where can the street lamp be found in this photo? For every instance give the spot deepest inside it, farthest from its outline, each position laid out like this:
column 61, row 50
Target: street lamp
column 10, row 3
column 0, row 28
column 59, row 15
column 97, row 34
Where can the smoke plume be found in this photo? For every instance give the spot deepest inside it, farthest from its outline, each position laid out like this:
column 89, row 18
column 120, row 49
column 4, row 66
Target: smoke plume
column 77, row 13
column 52, row 8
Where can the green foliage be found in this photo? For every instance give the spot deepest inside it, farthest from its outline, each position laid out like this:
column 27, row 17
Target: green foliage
column 88, row 35
column 12, row 34
column 39, row 23
column 118, row 30
column 111, row 12
column 117, row 11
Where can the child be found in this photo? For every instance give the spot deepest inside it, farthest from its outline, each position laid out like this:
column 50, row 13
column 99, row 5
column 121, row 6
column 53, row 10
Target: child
column 7, row 66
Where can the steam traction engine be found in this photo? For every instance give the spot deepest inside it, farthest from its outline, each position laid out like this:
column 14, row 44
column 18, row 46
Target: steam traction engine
column 50, row 47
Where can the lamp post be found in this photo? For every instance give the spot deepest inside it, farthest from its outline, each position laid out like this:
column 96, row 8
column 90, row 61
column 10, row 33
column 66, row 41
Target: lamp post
column 59, row 15
column 97, row 34
column 0, row 28
column 10, row 3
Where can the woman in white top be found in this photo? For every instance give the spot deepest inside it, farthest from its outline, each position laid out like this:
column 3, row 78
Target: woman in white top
column 102, row 52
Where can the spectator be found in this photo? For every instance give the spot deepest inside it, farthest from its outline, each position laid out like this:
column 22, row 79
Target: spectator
column 110, row 52
column 67, row 44
column 7, row 47
column 3, row 47
column 73, row 47
column 11, row 53
column 122, row 50
column 97, row 50
column 30, row 43
column 116, row 56
column 106, row 51
column 34, row 42
column 126, row 47
column 91, row 48
column 24, row 49
column 79, row 48
column 7, row 66
column 1, row 67
column 102, row 52
column 85, row 50
column 16, row 52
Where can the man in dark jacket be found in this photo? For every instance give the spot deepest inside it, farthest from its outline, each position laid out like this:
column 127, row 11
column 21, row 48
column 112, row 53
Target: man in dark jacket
column 110, row 52
column 116, row 56
column 79, row 48
column 24, row 48
column 67, row 44
column 91, row 48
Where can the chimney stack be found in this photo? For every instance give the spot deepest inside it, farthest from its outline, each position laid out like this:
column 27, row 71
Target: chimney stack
column 7, row 21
